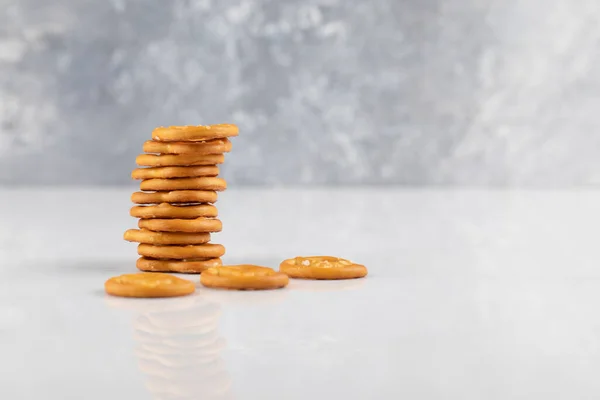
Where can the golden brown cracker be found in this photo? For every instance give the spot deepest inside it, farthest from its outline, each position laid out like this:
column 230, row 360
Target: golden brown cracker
column 165, row 238
column 176, row 196
column 194, row 133
column 322, row 267
column 181, row 225
column 189, row 266
column 178, row 160
column 166, row 210
column 148, row 285
column 243, row 277
column 209, row 250
column 174, row 172
column 202, row 183
column 215, row 146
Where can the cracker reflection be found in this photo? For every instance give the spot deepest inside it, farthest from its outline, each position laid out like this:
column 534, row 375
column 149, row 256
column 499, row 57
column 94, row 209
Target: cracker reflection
column 178, row 347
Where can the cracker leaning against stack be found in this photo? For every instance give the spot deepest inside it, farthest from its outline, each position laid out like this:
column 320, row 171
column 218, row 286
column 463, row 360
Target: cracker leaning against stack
column 179, row 175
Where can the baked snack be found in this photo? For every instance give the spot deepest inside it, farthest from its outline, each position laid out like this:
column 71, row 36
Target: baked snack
column 166, row 210
column 201, row 183
column 148, row 285
column 175, row 172
column 322, row 267
column 178, row 160
column 215, row 146
column 181, row 225
column 174, row 197
column 165, row 238
column 174, row 252
column 191, row 133
column 189, row 266
column 175, row 208
column 243, row 277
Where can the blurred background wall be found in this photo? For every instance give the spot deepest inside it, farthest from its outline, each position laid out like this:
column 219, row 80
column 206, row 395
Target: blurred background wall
column 451, row 92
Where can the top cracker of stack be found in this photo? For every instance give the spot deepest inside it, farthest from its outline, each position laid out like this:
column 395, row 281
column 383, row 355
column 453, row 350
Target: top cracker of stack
column 179, row 184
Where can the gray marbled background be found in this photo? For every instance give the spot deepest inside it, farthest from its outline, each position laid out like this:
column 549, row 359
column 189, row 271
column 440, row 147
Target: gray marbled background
column 475, row 92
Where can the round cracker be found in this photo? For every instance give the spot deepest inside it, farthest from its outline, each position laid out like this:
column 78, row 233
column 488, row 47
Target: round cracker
column 165, row 238
column 148, row 285
column 322, row 267
column 194, row 133
column 174, row 172
column 181, row 225
column 215, row 146
column 166, row 210
column 193, row 266
column 170, row 160
column 177, row 196
column 243, row 277
column 203, row 183
column 209, row 250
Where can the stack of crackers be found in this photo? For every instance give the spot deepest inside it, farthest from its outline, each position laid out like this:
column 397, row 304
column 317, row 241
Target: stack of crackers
column 179, row 185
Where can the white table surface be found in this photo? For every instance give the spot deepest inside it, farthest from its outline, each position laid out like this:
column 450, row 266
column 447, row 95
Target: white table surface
column 472, row 294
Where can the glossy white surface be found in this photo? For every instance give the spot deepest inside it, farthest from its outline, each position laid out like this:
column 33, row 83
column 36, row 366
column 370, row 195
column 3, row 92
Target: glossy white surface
column 471, row 295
